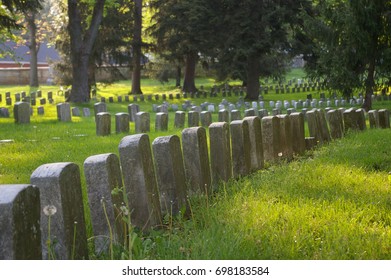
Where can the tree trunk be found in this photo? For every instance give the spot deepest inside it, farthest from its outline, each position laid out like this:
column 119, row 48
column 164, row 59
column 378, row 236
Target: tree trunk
column 137, row 41
column 369, row 85
column 178, row 76
column 81, row 47
column 253, row 73
column 189, row 80
column 32, row 30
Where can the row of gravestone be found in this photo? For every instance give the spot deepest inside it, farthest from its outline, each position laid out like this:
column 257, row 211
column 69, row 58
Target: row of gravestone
column 45, row 219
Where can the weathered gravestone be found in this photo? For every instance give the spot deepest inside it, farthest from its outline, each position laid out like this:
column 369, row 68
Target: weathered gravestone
column 179, row 121
column 196, row 160
column 75, row 112
column 22, row 112
column 249, row 113
column 133, row 109
column 223, row 115
column 206, row 118
column 384, row 118
column 86, row 112
column 140, row 181
column 350, row 118
column 256, row 145
column 240, row 145
column 361, row 119
column 122, row 123
column 103, row 124
column 271, row 138
column 4, row 113
column 142, row 122
column 373, row 116
column 335, row 123
column 40, row 110
column 105, row 198
column 235, row 115
column 62, row 212
column 286, row 137
column 170, row 173
column 313, row 126
column 193, row 118
column 322, row 125
column 220, row 152
column 64, row 112
column 298, row 133
column 20, row 233
column 100, row 107
column 161, row 122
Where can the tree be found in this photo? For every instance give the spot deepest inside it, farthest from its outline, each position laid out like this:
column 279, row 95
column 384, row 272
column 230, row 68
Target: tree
column 136, row 47
column 350, row 44
column 9, row 8
column 183, row 30
column 256, row 39
column 81, row 44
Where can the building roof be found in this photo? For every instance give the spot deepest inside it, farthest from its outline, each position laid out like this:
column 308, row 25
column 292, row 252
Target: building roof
column 22, row 56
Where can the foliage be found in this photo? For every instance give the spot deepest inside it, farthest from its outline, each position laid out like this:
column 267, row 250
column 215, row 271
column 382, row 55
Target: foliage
column 350, row 42
column 9, row 8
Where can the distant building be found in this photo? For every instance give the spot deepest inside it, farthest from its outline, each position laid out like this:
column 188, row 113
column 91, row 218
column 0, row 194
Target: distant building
column 22, row 56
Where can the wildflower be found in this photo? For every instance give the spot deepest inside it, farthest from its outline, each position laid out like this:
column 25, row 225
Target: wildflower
column 124, row 210
column 49, row 210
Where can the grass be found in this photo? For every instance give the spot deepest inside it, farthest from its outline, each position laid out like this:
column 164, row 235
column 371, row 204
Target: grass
column 333, row 203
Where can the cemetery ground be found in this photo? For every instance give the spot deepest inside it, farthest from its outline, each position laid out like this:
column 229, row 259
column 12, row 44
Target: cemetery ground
column 332, row 203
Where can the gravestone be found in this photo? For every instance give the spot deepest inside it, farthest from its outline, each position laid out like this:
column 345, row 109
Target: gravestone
column 206, row 118
column 249, row 113
column 100, row 107
column 235, row 115
column 322, row 124
column 193, row 118
column 42, row 101
column 103, row 124
column 22, row 112
column 240, row 145
column 119, row 99
column 8, row 101
column 350, row 119
column 104, row 188
column 373, row 116
column 271, row 138
column 86, row 112
column 40, row 110
column 62, row 211
column 196, row 160
column 170, row 174
column 313, row 126
column 179, row 121
column 75, row 112
column 161, row 122
column 263, row 113
column 133, row 109
column 122, row 123
column 286, row 137
column 298, row 133
column 361, row 123
column 384, row 118
column 220, row 152
column 17, row 97
column 20, row 234
column 4, row 113
column 140, row 181
column 335, row 123
column 256, row 145
column 223, row 115
column 64, row 112
column 142, row 122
